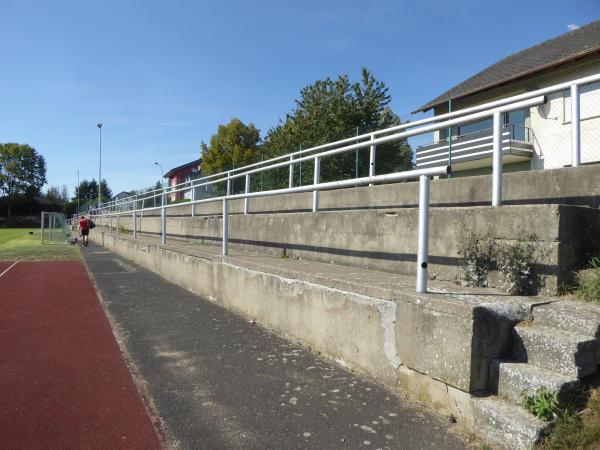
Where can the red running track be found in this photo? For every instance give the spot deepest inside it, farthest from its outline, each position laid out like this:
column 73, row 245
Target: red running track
column 63, row 381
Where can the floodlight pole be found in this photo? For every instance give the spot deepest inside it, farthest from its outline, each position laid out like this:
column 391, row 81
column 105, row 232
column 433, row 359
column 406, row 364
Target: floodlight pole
column 78, row 192
column 100, row 167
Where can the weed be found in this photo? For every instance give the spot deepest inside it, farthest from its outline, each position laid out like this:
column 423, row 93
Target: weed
column 589, row 285
column 475, row 252
column 594, row 262
column 544, row 404
column 516, row 262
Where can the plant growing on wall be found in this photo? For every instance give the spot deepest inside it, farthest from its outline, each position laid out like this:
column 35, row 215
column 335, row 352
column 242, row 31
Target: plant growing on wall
column 475, row 251
column 516, row 262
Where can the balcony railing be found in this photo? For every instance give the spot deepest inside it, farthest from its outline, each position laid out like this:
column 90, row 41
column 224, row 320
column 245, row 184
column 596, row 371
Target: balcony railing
column 477, row 148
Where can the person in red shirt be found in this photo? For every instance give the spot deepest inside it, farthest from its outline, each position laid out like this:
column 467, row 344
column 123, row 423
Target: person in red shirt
column 84, row 229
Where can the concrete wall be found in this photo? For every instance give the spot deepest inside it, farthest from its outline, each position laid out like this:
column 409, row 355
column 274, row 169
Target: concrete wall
column 387, row 239
column 436, row 348
column 569, row 186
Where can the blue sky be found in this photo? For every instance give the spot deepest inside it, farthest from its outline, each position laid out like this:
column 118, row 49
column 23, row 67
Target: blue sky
column 162, row 75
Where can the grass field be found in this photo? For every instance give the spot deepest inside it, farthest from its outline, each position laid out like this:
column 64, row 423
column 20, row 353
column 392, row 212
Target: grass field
column 25, row 244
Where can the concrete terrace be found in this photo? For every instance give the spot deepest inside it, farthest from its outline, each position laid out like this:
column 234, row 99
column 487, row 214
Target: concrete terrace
column 219, row 381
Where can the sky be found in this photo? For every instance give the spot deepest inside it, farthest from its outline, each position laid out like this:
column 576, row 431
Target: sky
column 161, row 76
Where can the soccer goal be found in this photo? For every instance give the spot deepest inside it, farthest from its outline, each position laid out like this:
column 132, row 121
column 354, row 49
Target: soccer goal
column 54, row 228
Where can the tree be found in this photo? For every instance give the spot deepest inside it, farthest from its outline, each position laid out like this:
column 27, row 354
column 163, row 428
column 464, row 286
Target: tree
column 330, row 110
column 88, row 191
column 22, row 172
column 234, row 145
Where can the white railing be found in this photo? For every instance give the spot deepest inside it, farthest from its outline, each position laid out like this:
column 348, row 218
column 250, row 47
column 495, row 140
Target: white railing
column 370, row 140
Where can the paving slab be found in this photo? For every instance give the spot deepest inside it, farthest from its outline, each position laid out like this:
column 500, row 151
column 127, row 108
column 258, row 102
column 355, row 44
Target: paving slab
column 220, row 381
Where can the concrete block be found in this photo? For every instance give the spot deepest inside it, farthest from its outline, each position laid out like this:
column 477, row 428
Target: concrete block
column 509, row 379
column 456, row 350
column 567, row 353
column 506, row 424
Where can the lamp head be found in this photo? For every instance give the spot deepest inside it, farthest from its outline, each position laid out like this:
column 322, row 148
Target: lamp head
column 99, row 125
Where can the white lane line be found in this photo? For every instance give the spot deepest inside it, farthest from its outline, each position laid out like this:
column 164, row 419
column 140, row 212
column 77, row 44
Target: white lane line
column 13, row 265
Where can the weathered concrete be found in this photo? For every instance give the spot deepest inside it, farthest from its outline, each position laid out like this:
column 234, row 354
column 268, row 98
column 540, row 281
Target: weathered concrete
column 220, row 382
column 386, row 239
column 506, row 424
column 509, row 379
column 368, row 333
column 567, row 353
column 567, row 186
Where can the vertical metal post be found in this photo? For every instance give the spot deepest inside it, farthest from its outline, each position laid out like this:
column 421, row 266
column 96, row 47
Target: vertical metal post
column 291, row 175
column 225, row 226
column 134, row 223
column 42, row 228
column 497, row 160
column 450, row 138
column 423, row 238
column 110, row 227
column 246, row 190
column 118, row 217
column 356, row 157
column 315, row 205
column 372, row 150
column 193, row 200
column 575, row 127
column 228, row 183
column 163, row 224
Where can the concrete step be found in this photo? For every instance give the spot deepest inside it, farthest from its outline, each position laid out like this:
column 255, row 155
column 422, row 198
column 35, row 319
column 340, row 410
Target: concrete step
column 570, row 316
column 503, row 423
column 556, row 350
column 509, row 379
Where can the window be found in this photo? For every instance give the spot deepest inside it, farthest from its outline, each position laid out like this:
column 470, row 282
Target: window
column 589, row 102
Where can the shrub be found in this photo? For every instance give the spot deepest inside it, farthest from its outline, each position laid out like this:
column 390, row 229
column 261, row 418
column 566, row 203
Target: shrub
column 589, row 285
column 475, row 252
column 516, row 262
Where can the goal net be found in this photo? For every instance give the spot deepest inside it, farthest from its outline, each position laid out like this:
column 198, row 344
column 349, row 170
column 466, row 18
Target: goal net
column 54, row 229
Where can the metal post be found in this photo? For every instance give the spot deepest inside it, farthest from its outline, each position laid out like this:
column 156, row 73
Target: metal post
column 118, row 217
column 133, row 223
column 372, row 150
column 193, row 200
column 575, row 127
column 225, row 226
column 423, row 238
column 315, row 205
column 450, row 138
column 497, row 160
column 247, row 190
column 291, row 176
column 163, row 225
column 110, row 227
column 228, row 183
column 42, row 228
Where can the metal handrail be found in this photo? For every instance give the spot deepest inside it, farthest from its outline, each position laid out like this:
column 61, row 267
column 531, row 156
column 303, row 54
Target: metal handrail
column 499, row 107
column 371, row 135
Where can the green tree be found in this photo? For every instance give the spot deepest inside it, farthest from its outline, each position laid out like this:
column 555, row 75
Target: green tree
column 22, row 172
column 234, row 145
column 88, row 191
column 334, row 109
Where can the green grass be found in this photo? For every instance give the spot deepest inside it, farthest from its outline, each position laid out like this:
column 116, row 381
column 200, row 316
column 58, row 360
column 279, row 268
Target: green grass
column 19, row 244
column 577, row 429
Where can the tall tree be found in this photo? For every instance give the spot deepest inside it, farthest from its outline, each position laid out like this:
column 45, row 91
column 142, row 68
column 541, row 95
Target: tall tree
column 334, row 109
column 88, row 191
column 22, row 172
column 234, row 145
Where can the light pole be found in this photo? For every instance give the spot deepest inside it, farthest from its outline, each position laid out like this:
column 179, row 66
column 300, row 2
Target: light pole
column 78, row 192
column 100, row 167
